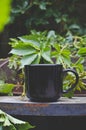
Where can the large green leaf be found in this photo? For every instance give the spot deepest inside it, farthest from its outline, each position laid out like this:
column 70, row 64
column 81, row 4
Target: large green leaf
column 46, row 55
column 26, row 60
column 19, row 124
column 82, row 51
column 5, row 6
column 37, row 59
column 66, row 56
column 11, row 123
column 23, row 51
column 6, row 88
column 59, row 59
column 31, row 42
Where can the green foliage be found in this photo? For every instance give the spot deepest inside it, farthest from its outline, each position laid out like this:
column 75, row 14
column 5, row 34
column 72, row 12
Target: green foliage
column 82, row 51
column 58, row 15
column 6, row 88
column 62, row 55
column 8, row 122
column 47, row 47
column 33, row 49
column 5, row 7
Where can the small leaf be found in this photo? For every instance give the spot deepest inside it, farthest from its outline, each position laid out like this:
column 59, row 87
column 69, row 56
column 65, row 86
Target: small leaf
column 74, row 26
column 42, row 5
column 51, row 34
column 58, row 20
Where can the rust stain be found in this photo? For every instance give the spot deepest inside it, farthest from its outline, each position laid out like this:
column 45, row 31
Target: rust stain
column 36, row 105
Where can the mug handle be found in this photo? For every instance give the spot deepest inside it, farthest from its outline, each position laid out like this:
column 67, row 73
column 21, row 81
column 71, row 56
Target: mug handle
column 74, row 85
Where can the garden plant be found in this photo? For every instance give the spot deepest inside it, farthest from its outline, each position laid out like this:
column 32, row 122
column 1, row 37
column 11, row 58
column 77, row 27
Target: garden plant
column 48, row 48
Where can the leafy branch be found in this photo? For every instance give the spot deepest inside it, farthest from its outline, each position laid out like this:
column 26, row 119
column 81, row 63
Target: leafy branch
column 8, row 122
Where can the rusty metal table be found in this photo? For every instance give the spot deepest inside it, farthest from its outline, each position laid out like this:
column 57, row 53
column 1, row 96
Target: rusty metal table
column 16, row 105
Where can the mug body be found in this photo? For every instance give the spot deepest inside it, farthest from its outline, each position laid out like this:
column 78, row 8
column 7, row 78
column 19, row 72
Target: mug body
column 43, row 82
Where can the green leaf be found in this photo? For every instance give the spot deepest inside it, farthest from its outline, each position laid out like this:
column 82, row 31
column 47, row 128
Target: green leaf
column 51, row 34
column 66, row 57
column 59, row 59
column 42, row 5
column 5, row 6
column 2, row 118
column 23, row 51
column 6, row 88
column 27, row 60
column 19, row 124
column 74, row 26
column 58, row 20
column 6, row 122
column 33, row 43
column 37, row 60
column 11, row 127
column 57, row 47
column 46, row 55
column 11, row 123
column 82, row 51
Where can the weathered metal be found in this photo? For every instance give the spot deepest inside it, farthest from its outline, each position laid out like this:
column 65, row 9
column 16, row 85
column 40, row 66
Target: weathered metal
column 17, row 105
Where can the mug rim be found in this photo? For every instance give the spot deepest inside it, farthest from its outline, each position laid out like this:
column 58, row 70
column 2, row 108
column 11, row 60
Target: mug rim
column 43, row 65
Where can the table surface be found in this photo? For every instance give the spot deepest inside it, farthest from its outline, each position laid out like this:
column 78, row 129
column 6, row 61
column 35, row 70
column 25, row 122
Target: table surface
column 17, row 105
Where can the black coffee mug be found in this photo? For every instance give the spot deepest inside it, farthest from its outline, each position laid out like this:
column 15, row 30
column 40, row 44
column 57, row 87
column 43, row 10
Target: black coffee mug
column 44, row 82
